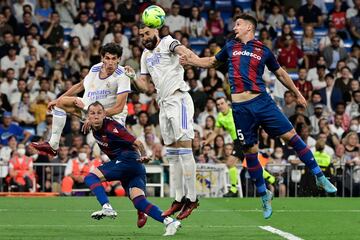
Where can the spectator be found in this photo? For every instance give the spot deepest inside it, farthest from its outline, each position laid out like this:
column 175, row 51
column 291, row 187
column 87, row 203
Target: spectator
column 353, row 60
column 7, row 150
column 39, row 107
column 67, row 12
column 310, row 45
column 75, row 54
column 326, row 40
column 351, row 143
column 4, row 27
column 334, row 53
column 337, row 126
column 290, row 55
column 304, row 86
column 266, row 143
column 327, row 149
column 53, row 31
column 8, row 128
column 304, row 131
column 21, row 170
column 199, row 97
column 330, row 95
column 219, row 147
column 210, row 110
column 319, row 81
column 57, row 171
column 43, row 11
column 75, row 172
column 215, row 24
column 289, row 104
column 236, row 11
column 355, row 26
column 231, row 163
column 43, row 129
column 143, row 120
column 314, row 119
column 322, row 158
column 353, row 109
column 209, row 126
column 211, row 82
column 208, row 155
column 16, row 95
column 83, row 30
column 129, row 13
column 315, row 100
column 337, row 19
column 18, row 9
column 291, row 19
column 277, row 167
column 9, row 84
column 14, row 61
column 340, row 109
column 310, row 14
column 344, row 81
column 116, row 28
column 21, row 111
column 285, row 32
column 195, row 24
column 175, row 21
column 9, row 42
column 276, row 18
column 25, row 27
column 264, row 37
column 10, row 18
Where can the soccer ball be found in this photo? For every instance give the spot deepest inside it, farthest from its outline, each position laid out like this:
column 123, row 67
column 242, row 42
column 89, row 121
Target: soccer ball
column 153, row 16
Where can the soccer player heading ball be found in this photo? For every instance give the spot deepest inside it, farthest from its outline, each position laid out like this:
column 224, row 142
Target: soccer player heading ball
column 252, row 105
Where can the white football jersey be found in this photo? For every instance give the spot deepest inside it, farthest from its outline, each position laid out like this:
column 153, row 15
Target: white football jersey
column 105, row 90
column 164, row 68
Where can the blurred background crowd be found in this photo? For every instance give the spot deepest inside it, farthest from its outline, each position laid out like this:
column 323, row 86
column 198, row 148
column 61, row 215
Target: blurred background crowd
column 47, row 46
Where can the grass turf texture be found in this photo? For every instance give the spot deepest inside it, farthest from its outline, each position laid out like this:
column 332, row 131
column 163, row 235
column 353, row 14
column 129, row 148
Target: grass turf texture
column 69, row 218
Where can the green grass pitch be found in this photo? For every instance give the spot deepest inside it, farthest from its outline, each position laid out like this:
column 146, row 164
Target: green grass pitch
column 218, row 219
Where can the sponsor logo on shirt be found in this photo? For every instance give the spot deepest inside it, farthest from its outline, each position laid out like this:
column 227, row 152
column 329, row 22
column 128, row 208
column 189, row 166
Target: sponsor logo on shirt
column 98, row 94
column 246, row 53
column 153, row 59
column 102, row 143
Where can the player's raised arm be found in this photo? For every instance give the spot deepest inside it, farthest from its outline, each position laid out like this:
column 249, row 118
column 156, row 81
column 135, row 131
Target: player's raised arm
column 286, row 80
column 188, row 57
column 141, row 83
column 118, row 107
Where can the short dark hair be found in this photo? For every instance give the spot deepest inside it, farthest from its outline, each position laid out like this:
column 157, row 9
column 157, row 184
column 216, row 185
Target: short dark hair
column 111, row 48
column 97, row 103
column 141, row 25
column 249, row 18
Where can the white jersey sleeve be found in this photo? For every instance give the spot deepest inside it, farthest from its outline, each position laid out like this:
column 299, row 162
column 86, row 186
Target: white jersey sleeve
column 123, row 82
column 143, row 67
column 170, row 43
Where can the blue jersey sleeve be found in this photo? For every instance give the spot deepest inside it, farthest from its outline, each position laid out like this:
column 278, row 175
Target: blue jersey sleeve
column 223, row 55
column 271, row 62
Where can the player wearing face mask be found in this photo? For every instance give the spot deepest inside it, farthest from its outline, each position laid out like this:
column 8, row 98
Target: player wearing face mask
column 75, row 172
column 21, row 170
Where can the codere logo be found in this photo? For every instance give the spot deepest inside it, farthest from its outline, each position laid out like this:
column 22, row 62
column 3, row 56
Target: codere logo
column 246, row 53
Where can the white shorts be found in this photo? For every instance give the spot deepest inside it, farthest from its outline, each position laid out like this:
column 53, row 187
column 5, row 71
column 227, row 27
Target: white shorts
column 120, row 117
column 176, row 117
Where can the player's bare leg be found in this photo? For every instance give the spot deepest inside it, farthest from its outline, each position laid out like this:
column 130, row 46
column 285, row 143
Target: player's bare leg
column 63, row 105
column 307, row 157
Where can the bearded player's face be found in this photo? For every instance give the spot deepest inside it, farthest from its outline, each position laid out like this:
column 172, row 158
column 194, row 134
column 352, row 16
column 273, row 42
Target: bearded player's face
column 110, row 62
column 149, row 37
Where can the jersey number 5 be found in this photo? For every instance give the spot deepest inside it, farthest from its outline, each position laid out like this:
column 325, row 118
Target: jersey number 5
column 240, row 135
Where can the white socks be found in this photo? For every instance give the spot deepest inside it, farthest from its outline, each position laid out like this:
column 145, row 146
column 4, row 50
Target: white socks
column 189, row 172
column 58, row 123
column 174, row 160
column 107, row 206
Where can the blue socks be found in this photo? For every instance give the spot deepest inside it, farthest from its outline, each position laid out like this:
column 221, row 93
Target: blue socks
column 94, row 183
column 143, row 205
column 305, row 155
column 256, row 172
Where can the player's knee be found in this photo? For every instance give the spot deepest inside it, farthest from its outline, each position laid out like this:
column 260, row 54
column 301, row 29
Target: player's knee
column 135, row 192
column 288, row 135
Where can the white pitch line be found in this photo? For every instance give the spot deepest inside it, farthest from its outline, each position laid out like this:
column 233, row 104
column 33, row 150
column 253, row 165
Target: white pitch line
column 283, row 234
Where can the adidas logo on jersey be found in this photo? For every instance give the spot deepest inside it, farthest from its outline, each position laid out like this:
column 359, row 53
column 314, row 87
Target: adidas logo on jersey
column 246, row 53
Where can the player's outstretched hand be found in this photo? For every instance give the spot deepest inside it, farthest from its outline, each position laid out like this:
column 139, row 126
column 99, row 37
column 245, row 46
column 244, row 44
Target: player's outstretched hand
column 183, row 60
column 78, row 103
column 144, row 159
column 51, row 105
column 301, row 100
column 86, row 127
column 130, row 72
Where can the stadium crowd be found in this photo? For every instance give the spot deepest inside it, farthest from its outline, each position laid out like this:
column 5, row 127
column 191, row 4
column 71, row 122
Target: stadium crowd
column 48, row 46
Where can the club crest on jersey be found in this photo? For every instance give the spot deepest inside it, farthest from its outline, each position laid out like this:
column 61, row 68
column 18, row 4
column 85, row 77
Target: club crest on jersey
column 246, row 53
column 115, row 130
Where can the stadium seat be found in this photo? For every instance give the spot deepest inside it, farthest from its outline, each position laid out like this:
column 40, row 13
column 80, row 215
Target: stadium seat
column 223, row 5
column 348, row 44
column 329, row 4
column 207, row 5
column 245, row 4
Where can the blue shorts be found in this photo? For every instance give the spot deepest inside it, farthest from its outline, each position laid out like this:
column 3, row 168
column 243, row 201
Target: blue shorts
column 131, row 173
column 259, row 111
